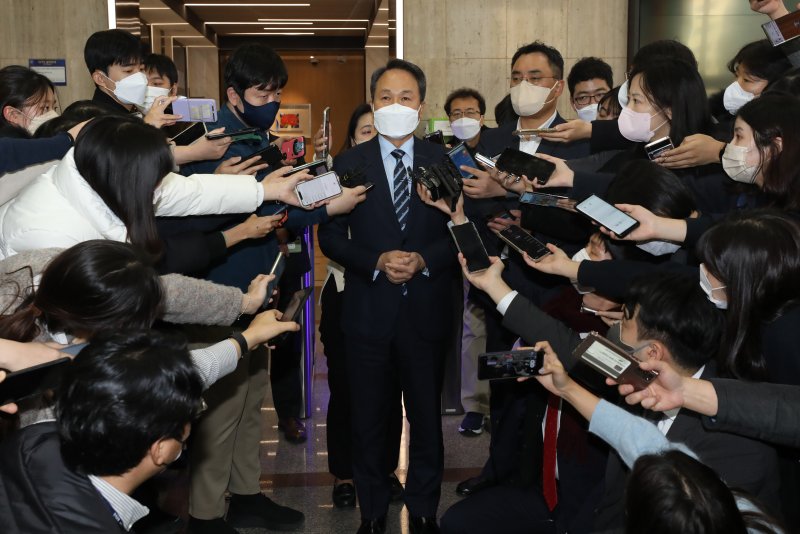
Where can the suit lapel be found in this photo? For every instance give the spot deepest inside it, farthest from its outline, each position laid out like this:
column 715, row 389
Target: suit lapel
column 377, row 173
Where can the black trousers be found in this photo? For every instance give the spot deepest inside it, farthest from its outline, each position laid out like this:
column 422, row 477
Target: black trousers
column 339, row 428
column 374, row 367
column 285, row 377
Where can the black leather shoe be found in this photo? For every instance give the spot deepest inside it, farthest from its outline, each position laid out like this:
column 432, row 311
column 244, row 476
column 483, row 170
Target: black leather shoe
column 293, row 429
column 473, row 485
column 344, row 495
column 372, row 526
column 395, row 488
column 423, row 525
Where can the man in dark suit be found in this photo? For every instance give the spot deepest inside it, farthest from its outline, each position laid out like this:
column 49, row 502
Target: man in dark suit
column 667, row 318
column 397, row 307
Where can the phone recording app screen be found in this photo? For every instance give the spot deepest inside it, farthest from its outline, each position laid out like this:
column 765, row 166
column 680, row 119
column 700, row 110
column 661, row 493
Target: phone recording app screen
column 462, row 157
column 606, row 214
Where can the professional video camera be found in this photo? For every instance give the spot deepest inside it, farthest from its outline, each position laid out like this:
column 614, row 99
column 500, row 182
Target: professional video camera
column 442, row 180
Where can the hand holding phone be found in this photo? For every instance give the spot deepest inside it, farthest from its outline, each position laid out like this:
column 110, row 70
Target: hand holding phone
column 195, row 109
column 509, row 364
column 277, row 269
column 469, row 244
column 321, row 188
column 613, row 361
column 518, row 163
column 607, row 215
column 459, row 155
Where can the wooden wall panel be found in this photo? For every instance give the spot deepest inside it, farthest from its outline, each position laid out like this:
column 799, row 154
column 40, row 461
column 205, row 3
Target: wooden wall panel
column 203, row 72
column 52, row 29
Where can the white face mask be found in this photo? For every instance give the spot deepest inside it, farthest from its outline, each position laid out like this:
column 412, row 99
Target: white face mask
column 150, row 95
column 396, row 121
column 734, row 162
column 131, row 89
column 658, row 248
column 622, row 95
column 587, row 113
column 581, row 255
column 705, row 285
column 736, row 97
column 465, row 128
column 635, row 126
column 528, row 99
column 41, row 119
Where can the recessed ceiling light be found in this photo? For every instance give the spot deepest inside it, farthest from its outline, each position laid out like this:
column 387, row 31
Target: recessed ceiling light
column 278, row 21
column 288, row 23
column 316, row 28
column 246, row 5
column 273, row 33
column 319, row 20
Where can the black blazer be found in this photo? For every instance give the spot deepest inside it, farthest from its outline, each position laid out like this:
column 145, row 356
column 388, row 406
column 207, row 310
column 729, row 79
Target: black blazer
column 370, row 307
column 743, row 463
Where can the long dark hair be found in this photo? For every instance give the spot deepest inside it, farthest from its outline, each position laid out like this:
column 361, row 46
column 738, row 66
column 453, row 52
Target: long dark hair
column 95, row 287
column 673, row 492
column 677, row 86
column 771, row 116
column 123, row 160
column 756, row 255
column 20, row 87
column 360, row 111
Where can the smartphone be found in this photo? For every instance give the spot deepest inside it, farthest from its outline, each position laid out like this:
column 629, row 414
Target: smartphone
column 238, row 135
column 271, row 155
column 607, row 215
column 190, row 134
column 326, row 130
column 32, row 381
column 783, row 29
column 459, row 155
column 470, row 245
column 368, row 185
column 317, row 168
column 520, row 163
column 541, row 199
column 502, row 213
column 532, row 131
column 654, row 149
column 195, row 109
column 587, row 309
column 317, row 189
column 295, row 306
column 613, row 361
column 294, row 148
column 278, row 266
column 509, row 364
column 522, row 241
column 435, row 137
column 485, row 161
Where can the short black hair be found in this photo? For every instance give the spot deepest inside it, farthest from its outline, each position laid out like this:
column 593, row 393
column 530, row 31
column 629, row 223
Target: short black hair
column 589, row 68
column 465, row 92
column 111, row 47
column 120, row 395
column 163, row 65
column 761, row 59
column 653, row 186
column 674, row 310
column 255, row 65
column 664, row 49
column 401, row 64
column 554, row 58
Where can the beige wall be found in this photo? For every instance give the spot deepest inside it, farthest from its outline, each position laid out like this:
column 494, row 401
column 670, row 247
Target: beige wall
column 470, row 42
column 52, row 29
column 203, row 72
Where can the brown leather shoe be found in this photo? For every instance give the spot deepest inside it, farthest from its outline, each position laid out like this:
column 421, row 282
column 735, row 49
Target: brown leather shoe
column 293, row 429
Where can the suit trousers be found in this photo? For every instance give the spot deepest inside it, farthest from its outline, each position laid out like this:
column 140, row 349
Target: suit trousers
column 474, row 392
column 226, row 440
column 373, row 368
column 339, row 430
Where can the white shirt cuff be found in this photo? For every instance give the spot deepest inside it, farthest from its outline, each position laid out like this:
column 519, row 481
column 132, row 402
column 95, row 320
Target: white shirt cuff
column 505, row 302
column 259, row 193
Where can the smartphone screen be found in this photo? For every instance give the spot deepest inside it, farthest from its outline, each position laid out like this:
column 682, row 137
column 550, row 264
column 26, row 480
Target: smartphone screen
column 195, row 109
column 607, row 215
column 318, row 189
column 540, row 199
column 32, row 381
column 326, row 130
column 459, row 155
column 522, row 241
column 470, row 245
column 612, row 361
column 295, row 306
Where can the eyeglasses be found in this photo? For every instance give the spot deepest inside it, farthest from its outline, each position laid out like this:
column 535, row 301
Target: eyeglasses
column 516, row 79
column 587, row 99
column 471, row 113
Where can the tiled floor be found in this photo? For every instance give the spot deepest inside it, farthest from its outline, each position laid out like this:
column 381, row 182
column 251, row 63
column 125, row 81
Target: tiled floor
column 297, row 475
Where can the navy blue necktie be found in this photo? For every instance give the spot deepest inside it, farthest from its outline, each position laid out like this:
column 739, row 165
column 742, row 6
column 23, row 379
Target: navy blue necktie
column 402, row 196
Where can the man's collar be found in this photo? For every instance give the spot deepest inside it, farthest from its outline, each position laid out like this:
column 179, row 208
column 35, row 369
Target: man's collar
column 104, row 99
column 126, row 509
column 387, row 147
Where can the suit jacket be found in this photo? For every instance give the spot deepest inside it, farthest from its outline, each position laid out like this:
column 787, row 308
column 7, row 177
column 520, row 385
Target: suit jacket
column 371, row 304
column 39, row 494
column 741, row 462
